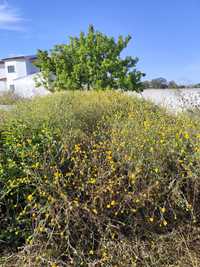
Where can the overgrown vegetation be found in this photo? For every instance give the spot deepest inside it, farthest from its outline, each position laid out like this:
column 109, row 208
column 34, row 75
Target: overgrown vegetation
column 9, row 98
column 89, row 61
column 99, row 179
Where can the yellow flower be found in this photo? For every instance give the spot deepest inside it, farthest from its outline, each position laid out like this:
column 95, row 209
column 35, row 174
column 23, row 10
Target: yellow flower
column 165, row 223
column 91, row 252
column 104, row 254
column 113, row 203
column 37, row 164
column 77, row 148
column 41, row 229
column 163, row 210
column 95, row 211
column 54, row 265
column 92, row 181
column 194, row 220
column 156, row 170
column 186, row 136
column 30, row 197
column 57, row 174
column 109, row 158
column 151, row 219
column 146, row 124
column 189, row 206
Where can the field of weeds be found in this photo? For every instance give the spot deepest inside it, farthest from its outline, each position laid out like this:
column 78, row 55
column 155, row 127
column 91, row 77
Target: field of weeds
column 98, row 179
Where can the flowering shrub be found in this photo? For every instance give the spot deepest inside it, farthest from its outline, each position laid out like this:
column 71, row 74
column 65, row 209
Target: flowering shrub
column 85, row 176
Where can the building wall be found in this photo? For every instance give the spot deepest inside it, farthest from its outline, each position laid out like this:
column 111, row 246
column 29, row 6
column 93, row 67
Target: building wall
column 10, row 76
column 22, row 81
column 31, row 69
column 2, row 71
column 21, row 68
column 2, row 86
column 25, row 87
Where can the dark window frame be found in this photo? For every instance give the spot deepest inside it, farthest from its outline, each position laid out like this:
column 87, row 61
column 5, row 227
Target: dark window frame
column 11, row 69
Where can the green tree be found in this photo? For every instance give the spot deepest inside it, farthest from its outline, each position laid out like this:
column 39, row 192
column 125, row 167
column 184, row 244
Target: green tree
column 196, row 85
column 159, row 83
column 90, row 61
column 172, row 84
column 147, row 84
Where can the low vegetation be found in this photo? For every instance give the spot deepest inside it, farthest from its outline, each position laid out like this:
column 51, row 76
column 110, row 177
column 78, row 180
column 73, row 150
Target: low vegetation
column 99, row 179
column 8, row 98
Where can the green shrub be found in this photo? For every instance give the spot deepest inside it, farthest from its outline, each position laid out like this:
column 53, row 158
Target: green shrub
column 86, row 176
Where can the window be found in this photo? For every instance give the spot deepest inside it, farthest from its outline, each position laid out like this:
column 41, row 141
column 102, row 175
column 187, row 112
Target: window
column 11, row 69
column 12, row 88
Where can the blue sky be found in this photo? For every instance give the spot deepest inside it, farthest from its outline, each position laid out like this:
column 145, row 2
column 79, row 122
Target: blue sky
column 166, row 33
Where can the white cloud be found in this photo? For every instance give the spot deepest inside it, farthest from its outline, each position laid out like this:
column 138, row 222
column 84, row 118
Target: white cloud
column 10, row 18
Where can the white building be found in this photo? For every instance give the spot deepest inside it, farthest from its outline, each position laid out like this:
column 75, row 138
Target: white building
column 17, row 74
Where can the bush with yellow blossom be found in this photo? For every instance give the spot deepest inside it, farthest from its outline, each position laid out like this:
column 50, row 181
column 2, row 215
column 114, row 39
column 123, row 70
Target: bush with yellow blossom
column 85, row 175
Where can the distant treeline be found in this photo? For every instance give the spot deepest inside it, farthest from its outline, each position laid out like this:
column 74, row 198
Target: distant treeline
column 162, row 83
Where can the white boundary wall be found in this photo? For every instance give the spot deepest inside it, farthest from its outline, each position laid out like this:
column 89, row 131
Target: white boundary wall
column 172, row 99
column 25, row 87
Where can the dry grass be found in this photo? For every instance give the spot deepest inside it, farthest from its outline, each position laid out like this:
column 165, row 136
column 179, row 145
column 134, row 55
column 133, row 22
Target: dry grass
column 9, row 98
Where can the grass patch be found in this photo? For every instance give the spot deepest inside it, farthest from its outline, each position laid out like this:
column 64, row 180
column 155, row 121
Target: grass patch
column 9, row 98
column 99, row 179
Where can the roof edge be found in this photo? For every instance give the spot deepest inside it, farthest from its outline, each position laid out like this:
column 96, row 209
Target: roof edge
column 18, row 57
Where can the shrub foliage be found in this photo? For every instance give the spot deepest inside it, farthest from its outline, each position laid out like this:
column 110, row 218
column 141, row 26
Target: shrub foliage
column 100, row 179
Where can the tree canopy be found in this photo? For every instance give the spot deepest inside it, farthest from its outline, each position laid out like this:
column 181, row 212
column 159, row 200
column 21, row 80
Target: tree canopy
column 160, row 83
column 90, row 61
